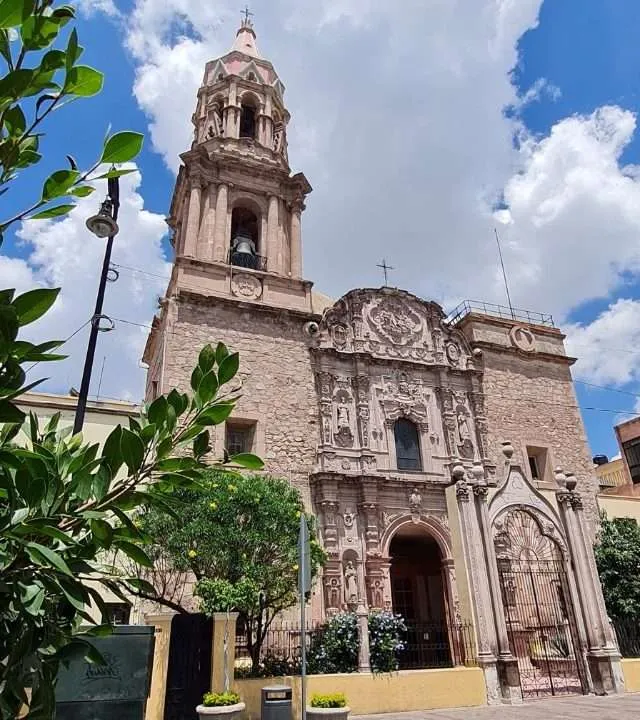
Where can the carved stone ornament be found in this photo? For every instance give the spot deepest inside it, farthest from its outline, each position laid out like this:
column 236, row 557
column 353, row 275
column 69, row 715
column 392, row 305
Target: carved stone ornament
column 394, row 320
column 453, row 353
column 462, row 491
column 350, row 584
column 349, row 518
column 522, row 338
column 246, row 286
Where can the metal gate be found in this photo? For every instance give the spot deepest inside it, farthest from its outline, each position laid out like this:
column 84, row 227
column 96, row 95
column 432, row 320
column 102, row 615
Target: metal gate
column 189, row 671
column 541, row 627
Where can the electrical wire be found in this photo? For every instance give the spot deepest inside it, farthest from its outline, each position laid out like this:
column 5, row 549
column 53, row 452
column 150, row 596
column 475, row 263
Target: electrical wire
column 141, row 271
column 64, row 342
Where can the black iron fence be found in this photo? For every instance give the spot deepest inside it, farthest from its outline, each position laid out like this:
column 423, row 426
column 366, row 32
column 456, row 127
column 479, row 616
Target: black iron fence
column 628, row 634
column 422, row 645
column 433, row 645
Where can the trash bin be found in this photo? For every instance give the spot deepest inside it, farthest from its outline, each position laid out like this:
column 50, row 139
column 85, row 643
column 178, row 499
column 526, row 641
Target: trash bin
column 276, row 703
column 117, row 690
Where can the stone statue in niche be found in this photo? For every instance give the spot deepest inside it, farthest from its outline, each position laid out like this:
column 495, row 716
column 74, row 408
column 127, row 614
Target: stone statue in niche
column 465, row 443
column 377, row 594
column 326, row 428
column 415, row 504
column 334, row 594
column 343, row 417
column 350, row 584
column 463, row 426
column 277, row 138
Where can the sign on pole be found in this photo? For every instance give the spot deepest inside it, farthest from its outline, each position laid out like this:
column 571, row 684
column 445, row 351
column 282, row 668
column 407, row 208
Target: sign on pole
column 304, row 586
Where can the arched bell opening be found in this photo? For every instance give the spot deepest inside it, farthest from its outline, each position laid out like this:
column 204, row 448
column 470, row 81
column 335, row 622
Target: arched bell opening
column 245, row 238
column 248, row 117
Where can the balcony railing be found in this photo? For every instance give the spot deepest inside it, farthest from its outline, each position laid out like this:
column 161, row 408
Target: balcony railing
column 500, row 311
column 248, row 260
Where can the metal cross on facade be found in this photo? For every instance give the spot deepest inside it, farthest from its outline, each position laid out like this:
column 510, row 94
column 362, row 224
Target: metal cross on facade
column 385, row 269
column 247, row 14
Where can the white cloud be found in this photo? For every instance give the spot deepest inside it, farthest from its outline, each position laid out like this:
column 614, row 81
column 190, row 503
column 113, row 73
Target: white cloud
column 398, row 122
column 65, row 254
column 609, row 347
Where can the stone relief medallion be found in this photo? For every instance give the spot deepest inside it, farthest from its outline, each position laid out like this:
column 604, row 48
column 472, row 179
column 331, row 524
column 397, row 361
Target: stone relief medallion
column 522, row 338
column 340, row 336
column 453, row 353
column 394, row 321
column 246, row 286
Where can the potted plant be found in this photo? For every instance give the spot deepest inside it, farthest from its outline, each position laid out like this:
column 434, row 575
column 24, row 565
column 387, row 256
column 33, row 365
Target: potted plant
column 224, row 705
column 333, row 706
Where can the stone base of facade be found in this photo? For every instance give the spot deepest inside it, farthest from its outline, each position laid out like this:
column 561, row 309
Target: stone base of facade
column 606, row 673
column 489, row 667
column 509, row 677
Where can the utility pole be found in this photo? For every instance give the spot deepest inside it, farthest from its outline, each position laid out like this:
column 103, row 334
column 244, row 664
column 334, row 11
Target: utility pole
column 104, row 224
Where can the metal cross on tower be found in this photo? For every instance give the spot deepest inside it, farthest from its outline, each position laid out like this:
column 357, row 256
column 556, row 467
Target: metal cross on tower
column 385, row 269
column 247, row 14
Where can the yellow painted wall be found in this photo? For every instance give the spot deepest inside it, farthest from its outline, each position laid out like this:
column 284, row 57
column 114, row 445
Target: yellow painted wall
column 619, row 507
column 367, row 693
column 631, row 670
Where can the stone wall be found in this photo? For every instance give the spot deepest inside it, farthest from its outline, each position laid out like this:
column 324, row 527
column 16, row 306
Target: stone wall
column 531, row 402
column 277, row 381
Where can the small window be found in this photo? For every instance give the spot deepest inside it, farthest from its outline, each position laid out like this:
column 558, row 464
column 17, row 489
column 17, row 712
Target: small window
column 632, row 454
column 154, row 389
column 407, row 445
column 220, row 77
column 239, row 437
column 251, row 77
column 538, row 460
column 119, row 613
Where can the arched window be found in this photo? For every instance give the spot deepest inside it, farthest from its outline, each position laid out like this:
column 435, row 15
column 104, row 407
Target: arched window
column 248, row 114
column 407, row 445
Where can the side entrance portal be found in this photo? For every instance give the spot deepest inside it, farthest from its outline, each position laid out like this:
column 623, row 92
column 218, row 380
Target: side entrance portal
column 539, row 613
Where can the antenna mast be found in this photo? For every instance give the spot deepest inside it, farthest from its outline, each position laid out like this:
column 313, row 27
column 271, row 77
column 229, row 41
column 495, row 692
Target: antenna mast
column 504, row 274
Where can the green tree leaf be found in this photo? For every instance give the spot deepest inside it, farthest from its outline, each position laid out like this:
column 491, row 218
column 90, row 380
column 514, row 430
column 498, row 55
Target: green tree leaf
column 83, row 81
column 215, row 415
column 32, row 305
column 135, row 553
column 247, row 460
column 228, row 368
column 45, row 556
column 122, row 147
column 59, row 183
column 82, row 191
column 132, row 449
column 56, row 211
column 206, row 359
column 14, row 12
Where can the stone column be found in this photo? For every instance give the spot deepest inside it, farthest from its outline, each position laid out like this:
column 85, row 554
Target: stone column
column 478, row 574
column 207, row 225
column 272, row 251
column 602, row 655
column 223, row 651
column 220, row 239
column 193, row 218
column 296, row 240
column 507, row 663
column 364, row 665
column 157, row 692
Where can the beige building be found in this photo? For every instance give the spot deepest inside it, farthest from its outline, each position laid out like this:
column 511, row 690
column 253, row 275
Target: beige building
column 444, row 456
column 102, row 416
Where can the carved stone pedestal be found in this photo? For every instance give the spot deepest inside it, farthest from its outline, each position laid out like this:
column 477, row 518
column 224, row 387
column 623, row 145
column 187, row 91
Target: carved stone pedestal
column 509, row 681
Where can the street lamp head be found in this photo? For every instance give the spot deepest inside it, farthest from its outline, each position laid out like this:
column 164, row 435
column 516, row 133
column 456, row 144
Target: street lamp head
column 103, row 225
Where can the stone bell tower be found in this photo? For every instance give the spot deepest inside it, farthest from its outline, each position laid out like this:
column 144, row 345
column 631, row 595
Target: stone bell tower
column 236, row 208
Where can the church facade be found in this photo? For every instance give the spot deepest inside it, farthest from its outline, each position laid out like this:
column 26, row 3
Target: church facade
column 444, row 457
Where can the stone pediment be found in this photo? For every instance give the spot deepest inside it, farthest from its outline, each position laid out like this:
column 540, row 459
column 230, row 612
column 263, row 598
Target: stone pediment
column 393, row 324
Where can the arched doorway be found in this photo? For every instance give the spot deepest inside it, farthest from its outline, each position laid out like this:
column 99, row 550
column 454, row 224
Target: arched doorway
column 538, row 609
column 418, row 595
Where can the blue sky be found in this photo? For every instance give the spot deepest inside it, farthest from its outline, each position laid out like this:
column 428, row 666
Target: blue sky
column 401, row 128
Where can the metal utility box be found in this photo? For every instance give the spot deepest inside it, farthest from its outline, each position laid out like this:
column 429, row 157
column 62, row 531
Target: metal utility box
column 117, row 690
column 276, row 703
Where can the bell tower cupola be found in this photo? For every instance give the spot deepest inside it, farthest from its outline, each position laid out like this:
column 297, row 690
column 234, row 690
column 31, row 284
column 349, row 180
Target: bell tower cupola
column 237, row 208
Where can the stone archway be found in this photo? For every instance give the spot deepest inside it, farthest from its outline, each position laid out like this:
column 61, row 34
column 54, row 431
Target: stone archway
column 418, row 577
column 538, row 607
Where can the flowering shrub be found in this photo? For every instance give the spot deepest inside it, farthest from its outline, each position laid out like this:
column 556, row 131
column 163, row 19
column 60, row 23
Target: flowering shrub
column 334, row 648
column 386, row 632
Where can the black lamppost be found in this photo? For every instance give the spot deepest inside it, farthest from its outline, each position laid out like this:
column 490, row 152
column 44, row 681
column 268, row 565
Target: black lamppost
column 104, row 224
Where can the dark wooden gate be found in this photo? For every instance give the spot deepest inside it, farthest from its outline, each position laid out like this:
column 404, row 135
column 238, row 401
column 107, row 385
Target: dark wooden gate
column 189, row 671
column 541, row 627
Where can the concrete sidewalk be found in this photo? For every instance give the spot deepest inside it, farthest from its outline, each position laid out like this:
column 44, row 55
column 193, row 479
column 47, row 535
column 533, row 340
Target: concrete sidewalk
column 612, row 707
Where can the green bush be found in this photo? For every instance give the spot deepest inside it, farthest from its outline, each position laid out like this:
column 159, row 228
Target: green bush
column 335, row 700
column 211, row 699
